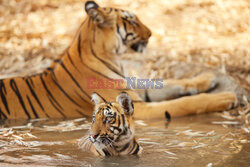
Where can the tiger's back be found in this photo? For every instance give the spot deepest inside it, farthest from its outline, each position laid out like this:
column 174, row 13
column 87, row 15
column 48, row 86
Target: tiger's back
column 61, row 90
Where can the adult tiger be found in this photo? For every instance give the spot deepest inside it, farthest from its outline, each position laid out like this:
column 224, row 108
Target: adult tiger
column 112, row 132
column 61, row 90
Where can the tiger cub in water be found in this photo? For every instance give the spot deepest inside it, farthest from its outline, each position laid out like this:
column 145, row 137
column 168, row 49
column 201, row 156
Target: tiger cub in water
column 112, row 131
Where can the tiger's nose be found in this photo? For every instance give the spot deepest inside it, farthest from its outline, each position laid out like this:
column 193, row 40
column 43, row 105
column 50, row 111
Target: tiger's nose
column 93, row 137
column 149, row 33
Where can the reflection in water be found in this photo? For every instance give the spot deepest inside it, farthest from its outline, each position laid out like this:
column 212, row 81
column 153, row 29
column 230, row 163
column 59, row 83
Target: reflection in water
column 187, row 141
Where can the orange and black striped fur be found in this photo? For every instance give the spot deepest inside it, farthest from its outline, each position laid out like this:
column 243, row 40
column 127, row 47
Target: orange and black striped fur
column 61, row 90
column 112, row 132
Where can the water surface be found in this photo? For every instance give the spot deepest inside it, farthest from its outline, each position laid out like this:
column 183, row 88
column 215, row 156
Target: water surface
column 188, row 141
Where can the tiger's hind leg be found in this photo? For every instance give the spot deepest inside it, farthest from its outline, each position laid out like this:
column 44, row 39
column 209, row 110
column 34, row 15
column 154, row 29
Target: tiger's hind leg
column 174, row 88
column 196, row 104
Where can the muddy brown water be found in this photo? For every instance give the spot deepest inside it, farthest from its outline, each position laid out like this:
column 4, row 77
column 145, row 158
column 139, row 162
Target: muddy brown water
column 188, row 141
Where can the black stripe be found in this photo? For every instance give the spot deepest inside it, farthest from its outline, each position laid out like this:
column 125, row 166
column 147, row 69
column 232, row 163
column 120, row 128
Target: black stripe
column 93, row 34
column 98, row 152
column 133, row 23
column 82, row 98
column 100, row 97
column 106, row 152
column 79, row 46
column 114, row 119
column 124, row 40
column 81, row 113
column 137, row 149
column 117, row 128
column 75, row 81
column 147, row 98
column 53, row 104
column 71, row 61
column 2, row 114
column 134, row 144
column 105, row 63
column 118, row 31
column 48, row 91
column 15, row 89
column 119, row 121
column 29, row 78
column 33, row 109
column 70, row 58
column 105, row 76
column 124, row 147
column 51, row 69
column 3, row 93
column 125, row 26
column 123, row 120
column 125, row 131
column 168, row 116
column 34, row 94
column 128, row 34
column 63, row 91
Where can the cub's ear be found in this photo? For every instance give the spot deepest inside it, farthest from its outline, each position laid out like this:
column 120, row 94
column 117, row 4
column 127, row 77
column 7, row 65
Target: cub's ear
column 96, row 98
column 126, row 103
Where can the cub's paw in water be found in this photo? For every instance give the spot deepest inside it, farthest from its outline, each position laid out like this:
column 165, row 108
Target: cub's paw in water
column 112, row 130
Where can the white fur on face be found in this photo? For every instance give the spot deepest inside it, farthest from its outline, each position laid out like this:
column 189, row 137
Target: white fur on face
column 107, row 112
column 122, row 32
column 128, row 14
column 120, row 46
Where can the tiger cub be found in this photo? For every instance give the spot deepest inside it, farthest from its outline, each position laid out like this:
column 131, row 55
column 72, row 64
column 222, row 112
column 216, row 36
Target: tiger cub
column 112, row 131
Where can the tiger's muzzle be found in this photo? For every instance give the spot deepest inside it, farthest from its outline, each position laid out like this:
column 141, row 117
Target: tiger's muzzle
column 102, row 139
column 139, row 46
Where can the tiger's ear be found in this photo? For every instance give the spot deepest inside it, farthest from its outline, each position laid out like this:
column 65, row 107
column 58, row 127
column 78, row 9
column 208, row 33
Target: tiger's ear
column 90, row 5
column 95, row 12
column 96, row 98
column 92, row 9
column 126, row 103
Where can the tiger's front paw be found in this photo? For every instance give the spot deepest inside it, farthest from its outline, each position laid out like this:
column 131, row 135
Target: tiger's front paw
column 223, row 101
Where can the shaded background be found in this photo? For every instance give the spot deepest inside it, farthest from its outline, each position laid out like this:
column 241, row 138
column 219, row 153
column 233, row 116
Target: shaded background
column 204, row 33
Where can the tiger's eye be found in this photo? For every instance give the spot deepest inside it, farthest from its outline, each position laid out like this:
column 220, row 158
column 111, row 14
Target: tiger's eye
column 107, row 113
column 108, row 119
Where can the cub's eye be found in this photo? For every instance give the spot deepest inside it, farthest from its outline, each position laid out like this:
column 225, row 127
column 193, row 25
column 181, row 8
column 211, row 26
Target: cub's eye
column 107, row 113
column 109, row 119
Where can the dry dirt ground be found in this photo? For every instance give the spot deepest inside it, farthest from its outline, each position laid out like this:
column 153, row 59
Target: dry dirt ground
column 189, row 36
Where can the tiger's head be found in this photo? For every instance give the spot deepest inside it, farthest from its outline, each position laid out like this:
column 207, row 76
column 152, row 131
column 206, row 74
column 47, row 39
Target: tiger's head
column 112, row 130
column 115, row 30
